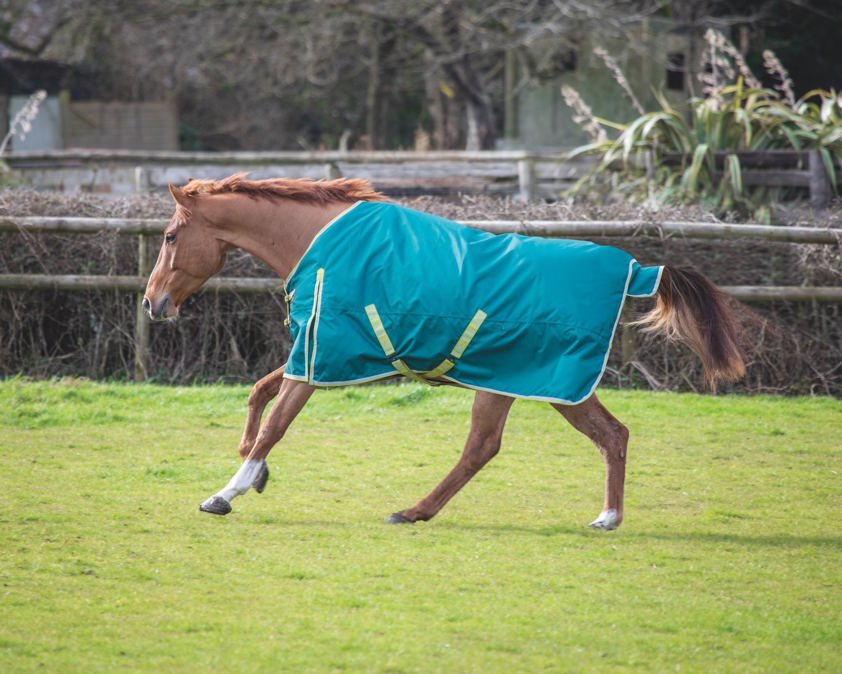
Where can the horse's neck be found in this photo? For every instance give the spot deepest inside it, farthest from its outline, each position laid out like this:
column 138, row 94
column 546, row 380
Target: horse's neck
column 278, row 232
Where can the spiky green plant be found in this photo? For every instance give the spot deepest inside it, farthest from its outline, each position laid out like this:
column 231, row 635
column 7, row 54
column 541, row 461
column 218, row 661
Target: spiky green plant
column 669, row 154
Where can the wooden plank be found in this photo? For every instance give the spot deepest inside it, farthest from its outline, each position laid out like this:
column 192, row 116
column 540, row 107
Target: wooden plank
column 103, row 168
column 260, row 285
column 129, row 283
column 784, row 293
column 776, row 178
column 755, row 159
column 76, row 157
column 232, row 284
column 632, row 228
column 780, row 159
column 71, row 282
column 761, row 159
column 59, row 225
column 545, row 228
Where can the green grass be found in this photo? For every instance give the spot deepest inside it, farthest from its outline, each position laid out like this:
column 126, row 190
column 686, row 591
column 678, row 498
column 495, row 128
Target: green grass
column 728, row 561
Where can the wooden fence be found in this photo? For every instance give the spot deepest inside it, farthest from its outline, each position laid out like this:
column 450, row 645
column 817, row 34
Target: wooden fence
column 145, row 229
column 528, row 175
column 397, row 173
column 777, row 168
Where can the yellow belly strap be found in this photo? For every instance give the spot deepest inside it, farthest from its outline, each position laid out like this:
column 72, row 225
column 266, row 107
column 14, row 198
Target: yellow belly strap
column 442, row 368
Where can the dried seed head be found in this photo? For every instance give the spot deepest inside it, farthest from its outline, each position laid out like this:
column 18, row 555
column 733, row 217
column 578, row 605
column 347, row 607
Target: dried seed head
column 21, row 125
column 775, row 68
column 584, row 115
column 620, row 78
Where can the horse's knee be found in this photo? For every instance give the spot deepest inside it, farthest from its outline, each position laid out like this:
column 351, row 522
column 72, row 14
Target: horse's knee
column 621, row 432
column 612, row 440
column 613, row 443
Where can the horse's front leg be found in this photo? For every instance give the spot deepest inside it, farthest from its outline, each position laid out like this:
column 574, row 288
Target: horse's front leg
column 261, row 393
column 612, row 440
column 292, row 397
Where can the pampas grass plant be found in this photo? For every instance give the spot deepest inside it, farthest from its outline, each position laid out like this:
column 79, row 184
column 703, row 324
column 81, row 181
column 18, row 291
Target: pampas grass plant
column 736, row 114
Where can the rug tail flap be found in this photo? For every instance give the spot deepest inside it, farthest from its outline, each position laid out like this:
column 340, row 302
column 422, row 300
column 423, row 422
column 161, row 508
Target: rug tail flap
column 644, row 280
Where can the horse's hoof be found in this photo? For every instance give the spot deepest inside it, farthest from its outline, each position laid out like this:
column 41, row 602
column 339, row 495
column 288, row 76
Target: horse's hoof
column 608, row 520
column 397, row 518
column 261, row 478
column 216, row 505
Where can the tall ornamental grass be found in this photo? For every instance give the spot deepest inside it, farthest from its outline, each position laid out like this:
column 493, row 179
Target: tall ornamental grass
column 669, row 155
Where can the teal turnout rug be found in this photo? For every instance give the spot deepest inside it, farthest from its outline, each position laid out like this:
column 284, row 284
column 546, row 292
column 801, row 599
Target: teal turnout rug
column 385, row 289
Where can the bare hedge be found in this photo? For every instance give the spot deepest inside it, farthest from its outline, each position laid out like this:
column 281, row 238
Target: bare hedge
column 792, row 348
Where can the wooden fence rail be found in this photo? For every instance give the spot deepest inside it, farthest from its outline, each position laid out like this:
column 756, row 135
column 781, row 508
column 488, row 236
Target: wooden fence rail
column 395, row 172
column 234, row 284
column 231, row 284
column 144, row 229
column 543, row 228
column 776, row 168
column 527, row 174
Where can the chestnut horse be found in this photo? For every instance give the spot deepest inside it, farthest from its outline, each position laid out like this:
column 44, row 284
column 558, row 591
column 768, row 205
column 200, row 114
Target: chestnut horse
column 277, row 221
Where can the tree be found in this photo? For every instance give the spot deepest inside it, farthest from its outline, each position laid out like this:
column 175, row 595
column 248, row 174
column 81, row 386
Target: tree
column 271, row 74
column 467, row 42
column 256, row 75
column 26, row 28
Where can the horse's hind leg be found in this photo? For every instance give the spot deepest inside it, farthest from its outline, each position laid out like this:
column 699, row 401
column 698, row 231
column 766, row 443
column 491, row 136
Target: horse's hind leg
column 292, row 397
column 488, row 418
column 611, row 439
column 261, row 393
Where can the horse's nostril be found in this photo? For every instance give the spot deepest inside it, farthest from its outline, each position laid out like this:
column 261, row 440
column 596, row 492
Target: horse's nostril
column 146, row 305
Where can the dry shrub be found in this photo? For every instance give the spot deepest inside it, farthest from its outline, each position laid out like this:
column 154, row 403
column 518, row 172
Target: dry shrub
column 791, row 347
column 219, row 337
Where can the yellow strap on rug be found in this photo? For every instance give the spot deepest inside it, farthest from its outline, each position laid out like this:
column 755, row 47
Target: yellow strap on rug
column 461, row 344
column 468, row 334
column 439, row 370
column 405, row 370
column 379, row 330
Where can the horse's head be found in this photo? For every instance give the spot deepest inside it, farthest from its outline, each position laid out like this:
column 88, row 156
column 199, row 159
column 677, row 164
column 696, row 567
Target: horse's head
column 189, row 256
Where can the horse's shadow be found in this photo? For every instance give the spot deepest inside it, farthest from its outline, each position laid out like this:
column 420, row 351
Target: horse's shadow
column 702, row 537
column 561, row 530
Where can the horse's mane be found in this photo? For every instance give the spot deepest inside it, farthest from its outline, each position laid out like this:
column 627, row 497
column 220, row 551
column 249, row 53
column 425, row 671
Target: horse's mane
column 309, row 191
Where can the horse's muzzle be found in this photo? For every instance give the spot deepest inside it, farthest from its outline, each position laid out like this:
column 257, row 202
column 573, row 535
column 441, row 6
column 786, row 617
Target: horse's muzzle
column 161, row 311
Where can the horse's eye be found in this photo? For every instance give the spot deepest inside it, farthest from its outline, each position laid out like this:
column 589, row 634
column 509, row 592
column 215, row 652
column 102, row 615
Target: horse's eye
column 169, row 237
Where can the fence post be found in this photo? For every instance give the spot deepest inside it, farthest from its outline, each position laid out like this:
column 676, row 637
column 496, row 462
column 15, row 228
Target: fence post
column 628, row 336
column 141, row 330
column 332, row 171
column 820, row 188
column 141, row 180
column 526, row 179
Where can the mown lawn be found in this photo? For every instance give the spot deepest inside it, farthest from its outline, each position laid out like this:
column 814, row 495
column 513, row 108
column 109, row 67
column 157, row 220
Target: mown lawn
column 730, row 558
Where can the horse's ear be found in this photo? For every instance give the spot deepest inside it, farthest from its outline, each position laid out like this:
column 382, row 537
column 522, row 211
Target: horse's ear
column 178, row 194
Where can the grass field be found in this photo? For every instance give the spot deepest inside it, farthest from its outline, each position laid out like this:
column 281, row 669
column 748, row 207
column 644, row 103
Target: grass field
column 730, row 558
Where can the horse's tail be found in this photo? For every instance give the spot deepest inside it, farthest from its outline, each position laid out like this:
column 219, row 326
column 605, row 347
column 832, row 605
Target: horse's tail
column 692, row 310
